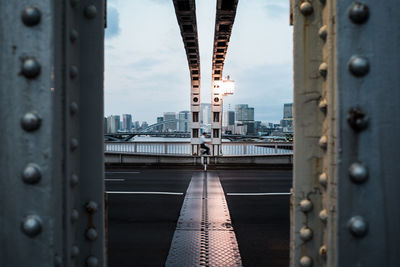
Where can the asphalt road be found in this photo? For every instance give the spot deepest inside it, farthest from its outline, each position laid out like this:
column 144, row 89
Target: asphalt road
column 141, row 224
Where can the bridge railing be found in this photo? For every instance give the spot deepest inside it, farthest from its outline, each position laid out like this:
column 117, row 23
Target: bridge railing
column 183, row 148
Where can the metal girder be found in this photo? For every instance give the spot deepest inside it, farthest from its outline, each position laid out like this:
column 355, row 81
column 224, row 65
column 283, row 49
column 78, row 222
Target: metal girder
column 51, row 186
column 346, row 106
column 225, row 17
column 186, row 15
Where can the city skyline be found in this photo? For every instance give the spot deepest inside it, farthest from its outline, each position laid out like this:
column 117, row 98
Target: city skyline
column 145, row 78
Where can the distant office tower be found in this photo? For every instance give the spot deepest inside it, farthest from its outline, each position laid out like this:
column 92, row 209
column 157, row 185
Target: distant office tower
column 288, row 111
column 137, row 125
column 170, row 126
column 159, row 128
column 113, row 123
column 144, row 125
column 184, row 121
column 244, row 116
column 126, row 122
column 228, row 121
column 205, row 114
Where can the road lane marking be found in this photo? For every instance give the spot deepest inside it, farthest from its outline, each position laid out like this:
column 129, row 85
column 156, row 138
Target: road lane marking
column 114, row 180
column 145, row 193
column 258, row 194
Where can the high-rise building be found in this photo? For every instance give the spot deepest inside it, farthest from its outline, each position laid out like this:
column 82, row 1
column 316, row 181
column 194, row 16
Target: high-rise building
column 244, row 116
column 288, row 111
column 144, row 125
column 184, row 121
column 126, row 122
column 228, row 121
column 137, row 125
column 113, row 123
column 159, row 128
column 170, row 126
column 205, row 114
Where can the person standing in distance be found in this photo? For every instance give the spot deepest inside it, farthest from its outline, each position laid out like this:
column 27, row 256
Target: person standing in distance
column 203, row 144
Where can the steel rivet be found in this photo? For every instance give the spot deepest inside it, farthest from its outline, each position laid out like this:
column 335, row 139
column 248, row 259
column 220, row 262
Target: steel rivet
column 92, row 261
column 74, row 251
column 306, row 205
column 91, row 207
column 306, row 261
column 90, row 11
column 73, row 72
column 73, row 36
column 358, row 226
column 323, row 105
column 30, row 68
column 31, row 174
column 357, row 119
column 74, row 108
column 323, row 179
column 74, row 180
column 323, row 69
column 359, row 13
column 306, row 8
column 91, row 234
column 323, row 142
column 323, row 251
column 306, row 233
column 323, row 215
column 31, row 225
column 74, row 3
column 31, row 121
column 358, row 66
column 323, row 32
column 74, row 144
column 74, row 215
column 358, row 172
column 31, row 16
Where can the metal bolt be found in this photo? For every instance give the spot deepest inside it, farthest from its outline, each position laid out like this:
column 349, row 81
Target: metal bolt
column 358, row 172
column 323, row 251
column 92, row 261
column 323, row 215
column 31, row 225
column 73, row 35
column 359, row 13
column 91, row 234
column 74, row 215
column 323, row 179
column 30, row 68
column 74, row 144
column 74, row 108
column 323, row 142
column 358, row 66
column 323, row 69
column 31, row 121
column 306, row 205
column 358, row 226
column 31, row 16
column 90, row 12
column 306, row 8
column 31, row 174
column 306, row 233
column 323, row 32
column 74, row 180
column 73, row 72
column 323, row 105
column 306, row 261
column 74, row 251
column 357, row 119
column 91, row 207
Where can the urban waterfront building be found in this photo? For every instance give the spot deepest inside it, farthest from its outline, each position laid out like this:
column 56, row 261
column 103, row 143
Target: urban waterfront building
column 127, row 122
column 113, row 123
column 170, row 126
column 184, row 121
column 159, row 128
column 244, row 117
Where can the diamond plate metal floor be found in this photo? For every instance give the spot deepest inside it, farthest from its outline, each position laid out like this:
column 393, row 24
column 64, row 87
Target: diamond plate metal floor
column 204, row 234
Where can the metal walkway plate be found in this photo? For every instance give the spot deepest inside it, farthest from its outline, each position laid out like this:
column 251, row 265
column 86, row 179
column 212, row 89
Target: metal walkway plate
column 204, row 234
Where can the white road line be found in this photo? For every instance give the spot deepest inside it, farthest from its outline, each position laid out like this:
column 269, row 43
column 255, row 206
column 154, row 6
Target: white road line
column 258, row 194
column 114, row 180
column 124, row 172
column 145, row 193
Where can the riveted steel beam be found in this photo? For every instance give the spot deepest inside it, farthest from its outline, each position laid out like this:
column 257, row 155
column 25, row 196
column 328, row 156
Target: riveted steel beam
column 186, row 15
column 225, row 17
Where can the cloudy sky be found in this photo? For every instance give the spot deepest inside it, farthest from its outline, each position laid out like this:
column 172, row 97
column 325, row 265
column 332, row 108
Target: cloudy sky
column 146, row 72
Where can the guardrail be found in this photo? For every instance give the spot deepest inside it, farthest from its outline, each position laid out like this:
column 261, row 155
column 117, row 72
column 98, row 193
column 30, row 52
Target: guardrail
column 183, row 148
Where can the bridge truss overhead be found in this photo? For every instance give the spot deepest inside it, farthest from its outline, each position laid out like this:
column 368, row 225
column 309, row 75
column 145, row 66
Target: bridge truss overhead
column 186, row 15
column 225, row 17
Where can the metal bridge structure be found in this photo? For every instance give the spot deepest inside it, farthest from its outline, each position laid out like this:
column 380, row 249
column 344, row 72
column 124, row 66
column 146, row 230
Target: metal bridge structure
column 344, row 203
